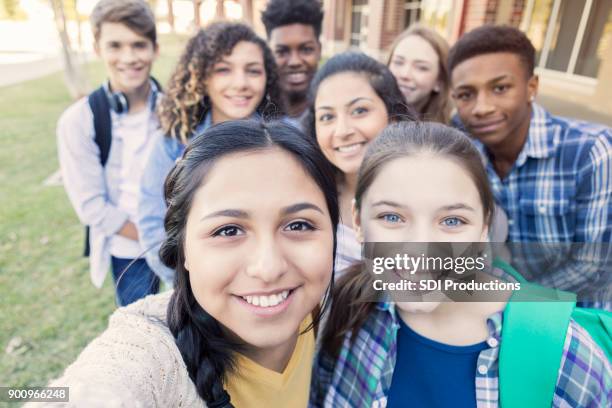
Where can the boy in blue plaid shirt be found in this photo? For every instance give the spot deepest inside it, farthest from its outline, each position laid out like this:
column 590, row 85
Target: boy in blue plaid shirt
column 552, row 176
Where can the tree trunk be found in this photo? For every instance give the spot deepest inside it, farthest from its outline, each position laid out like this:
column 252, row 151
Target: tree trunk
column 171, row 16
column 73, row 74
column 220, row 12
column 196, row 13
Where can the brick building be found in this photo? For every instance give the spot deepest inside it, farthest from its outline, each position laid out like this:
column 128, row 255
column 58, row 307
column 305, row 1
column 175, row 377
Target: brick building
column 573, row 38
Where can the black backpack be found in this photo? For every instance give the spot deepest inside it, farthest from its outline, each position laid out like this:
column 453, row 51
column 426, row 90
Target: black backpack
column 100, row 107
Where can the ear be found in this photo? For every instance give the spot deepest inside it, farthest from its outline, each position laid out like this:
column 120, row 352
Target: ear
column 156, row 49
column 186, row 265
column 484, row 237
column 356, row 221
column 532, row 87
column 96, row 47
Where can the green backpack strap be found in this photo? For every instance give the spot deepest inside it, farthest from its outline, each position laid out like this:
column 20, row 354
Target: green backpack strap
column 533, row 334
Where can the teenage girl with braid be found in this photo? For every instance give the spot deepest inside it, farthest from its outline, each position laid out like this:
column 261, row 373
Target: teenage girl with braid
column 248, row 206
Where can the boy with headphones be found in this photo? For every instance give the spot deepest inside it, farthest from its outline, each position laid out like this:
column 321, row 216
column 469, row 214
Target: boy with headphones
column 103, row 144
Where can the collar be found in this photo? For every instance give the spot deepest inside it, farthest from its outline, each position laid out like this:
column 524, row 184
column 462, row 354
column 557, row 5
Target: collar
column 541, row 142
column 494, row 321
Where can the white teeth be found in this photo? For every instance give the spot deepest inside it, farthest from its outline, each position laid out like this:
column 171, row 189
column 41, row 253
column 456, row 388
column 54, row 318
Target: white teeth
column 267, row 301
column 349, row 148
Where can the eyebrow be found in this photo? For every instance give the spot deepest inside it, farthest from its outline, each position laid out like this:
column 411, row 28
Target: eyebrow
column 236, row 213
column 457, row 206
column 300, row 207
column 496, row 79
column 388, row 203
column 352, row 102
column 230, row 212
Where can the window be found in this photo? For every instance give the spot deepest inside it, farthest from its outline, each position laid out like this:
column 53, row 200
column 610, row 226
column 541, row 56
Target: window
column 412, row 12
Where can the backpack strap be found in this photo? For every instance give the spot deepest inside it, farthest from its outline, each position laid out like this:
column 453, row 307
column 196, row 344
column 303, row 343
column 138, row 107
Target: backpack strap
column 535, row 325
column 100, row 108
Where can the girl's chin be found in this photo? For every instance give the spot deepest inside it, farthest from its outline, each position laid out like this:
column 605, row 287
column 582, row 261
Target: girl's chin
column 417, row 307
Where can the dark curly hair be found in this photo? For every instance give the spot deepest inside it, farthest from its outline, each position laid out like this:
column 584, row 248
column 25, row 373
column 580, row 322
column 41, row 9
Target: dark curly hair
column 284, row 12
column 491, row 39
column 208, row 353
column 378, row 75
column 185, row 100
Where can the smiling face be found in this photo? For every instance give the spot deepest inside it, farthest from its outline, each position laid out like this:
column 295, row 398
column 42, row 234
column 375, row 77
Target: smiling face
column 402, row 206
column 416, row 67
column 237, row 83
column 249, row 255
column 493, row 96
column 127, row 56
column 347, row 118
column 297, row 52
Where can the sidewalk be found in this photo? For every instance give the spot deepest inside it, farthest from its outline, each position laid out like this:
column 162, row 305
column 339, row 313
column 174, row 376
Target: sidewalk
column 562, row 107
column 14, row 73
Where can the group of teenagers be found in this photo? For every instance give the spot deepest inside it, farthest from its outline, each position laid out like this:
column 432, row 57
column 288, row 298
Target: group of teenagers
column 252, row 180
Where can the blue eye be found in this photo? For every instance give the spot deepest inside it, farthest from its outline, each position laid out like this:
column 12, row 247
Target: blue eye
column 452, row 222
column 299, row 226
column 228, row 231
column 391, row 218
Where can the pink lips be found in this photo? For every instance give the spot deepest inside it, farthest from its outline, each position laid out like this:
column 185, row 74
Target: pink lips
column 269, row 311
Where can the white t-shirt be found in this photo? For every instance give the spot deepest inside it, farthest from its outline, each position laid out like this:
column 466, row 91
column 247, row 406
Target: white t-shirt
column 135, row 142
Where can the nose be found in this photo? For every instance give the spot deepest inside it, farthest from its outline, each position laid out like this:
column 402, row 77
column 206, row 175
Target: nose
column 239, row 79
column 294, row 59
column 405, row 72
column 421, row 232
column 267, row 262
column 483, row 106
column 343, row 127
column 127, row 55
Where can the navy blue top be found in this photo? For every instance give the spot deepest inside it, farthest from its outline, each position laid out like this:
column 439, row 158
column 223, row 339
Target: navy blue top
column 431, row 374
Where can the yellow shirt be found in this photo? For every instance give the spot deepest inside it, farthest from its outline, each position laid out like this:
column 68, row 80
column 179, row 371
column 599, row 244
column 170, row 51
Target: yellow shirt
column 257, row 386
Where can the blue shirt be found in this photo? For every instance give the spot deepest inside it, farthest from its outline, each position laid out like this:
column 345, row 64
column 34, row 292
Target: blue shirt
column 432, row 374
column 151, row 204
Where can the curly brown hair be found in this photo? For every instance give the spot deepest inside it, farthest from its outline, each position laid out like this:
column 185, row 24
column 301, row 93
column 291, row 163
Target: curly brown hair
column 185, row 101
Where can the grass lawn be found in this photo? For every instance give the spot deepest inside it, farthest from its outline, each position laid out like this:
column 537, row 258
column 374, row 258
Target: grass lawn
column 46, row 297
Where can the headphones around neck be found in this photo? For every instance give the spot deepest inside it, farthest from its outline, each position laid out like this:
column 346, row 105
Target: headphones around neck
column 118, row 101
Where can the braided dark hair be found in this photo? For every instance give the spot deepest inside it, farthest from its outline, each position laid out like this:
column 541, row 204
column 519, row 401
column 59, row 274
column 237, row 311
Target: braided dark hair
column 208, row 353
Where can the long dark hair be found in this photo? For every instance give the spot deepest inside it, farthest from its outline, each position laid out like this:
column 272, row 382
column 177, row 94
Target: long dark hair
column 379, row 77
column 186, row 101
column 206, row 350
column 353, row 292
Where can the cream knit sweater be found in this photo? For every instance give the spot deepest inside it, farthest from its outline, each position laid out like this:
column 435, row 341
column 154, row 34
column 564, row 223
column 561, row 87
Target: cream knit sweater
column 133, row 363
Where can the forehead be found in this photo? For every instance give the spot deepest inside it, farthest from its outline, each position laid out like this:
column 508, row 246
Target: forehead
column 237, row 180
column 244, row 52
column 119, row 32
column 483, row 68
column 292, row 34
column 341, row 88
column 415, row 47
column 446, row 183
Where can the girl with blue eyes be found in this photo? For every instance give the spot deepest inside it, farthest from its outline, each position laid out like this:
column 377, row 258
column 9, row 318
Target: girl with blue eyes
column 226, row 72
column 425, row 182
column 249, row 204
column 352, row 98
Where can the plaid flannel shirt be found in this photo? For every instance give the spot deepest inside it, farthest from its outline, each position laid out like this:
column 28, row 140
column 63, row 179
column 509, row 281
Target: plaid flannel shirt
column 560, row 191
column 362, row 374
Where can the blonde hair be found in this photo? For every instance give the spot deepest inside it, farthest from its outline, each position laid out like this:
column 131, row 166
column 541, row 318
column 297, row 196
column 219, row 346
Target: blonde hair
column 438, row 107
